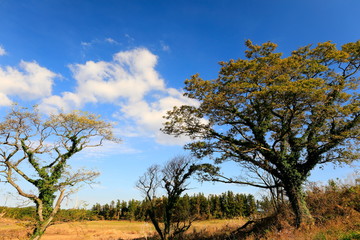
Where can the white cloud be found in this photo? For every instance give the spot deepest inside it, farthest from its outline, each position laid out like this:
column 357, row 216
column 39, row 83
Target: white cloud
column 129, row 81
column 2, row 51
column 130, row 76
column 67, row 102
column 4, row 100
column 86, row 44
column 111, row 41
column 30, row 81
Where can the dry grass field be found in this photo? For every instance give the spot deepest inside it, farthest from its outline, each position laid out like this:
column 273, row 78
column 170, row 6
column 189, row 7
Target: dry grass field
column 107, row 230
column 344, row 228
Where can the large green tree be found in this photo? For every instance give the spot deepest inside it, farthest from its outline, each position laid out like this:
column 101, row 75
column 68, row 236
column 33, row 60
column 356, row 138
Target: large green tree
column 35, row 153
column 284, row 115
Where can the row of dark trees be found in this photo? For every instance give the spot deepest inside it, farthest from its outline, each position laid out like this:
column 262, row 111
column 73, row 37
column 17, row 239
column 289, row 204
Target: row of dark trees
column 198, row 206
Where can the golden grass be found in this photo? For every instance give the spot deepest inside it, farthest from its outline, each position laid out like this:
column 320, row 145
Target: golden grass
column 340, row 228
column 109, row 230
column 211, row 227
column 102, row 230
column 11, row 229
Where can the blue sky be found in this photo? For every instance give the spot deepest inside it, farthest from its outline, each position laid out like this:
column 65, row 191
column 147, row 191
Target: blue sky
column 76, row 55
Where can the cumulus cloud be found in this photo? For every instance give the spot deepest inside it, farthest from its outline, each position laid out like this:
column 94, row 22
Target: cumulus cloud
column 30, row 81
column 2, row 51
column 129, row 76
column 129, row 81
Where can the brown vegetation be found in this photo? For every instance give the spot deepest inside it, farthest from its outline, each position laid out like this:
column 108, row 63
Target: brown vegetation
column 335, row 207
column 107, row 230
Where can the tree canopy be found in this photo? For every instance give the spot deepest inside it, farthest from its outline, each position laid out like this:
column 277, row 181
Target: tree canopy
column 36, row 150
column 284, row 115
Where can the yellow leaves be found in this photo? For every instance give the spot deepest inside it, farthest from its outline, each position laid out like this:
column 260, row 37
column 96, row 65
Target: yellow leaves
column 264, row 50
column 352, row 49
column 81, row 124
column 197, row 87
column 75, row 118
column 310, row 78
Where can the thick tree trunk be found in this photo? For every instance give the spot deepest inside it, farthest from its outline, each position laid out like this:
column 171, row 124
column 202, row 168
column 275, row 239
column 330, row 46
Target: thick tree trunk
column 298, row 205
column 44, row 223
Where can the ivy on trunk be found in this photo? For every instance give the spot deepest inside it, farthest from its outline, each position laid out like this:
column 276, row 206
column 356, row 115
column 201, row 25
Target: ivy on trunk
column 46, row 145
column 283, row 115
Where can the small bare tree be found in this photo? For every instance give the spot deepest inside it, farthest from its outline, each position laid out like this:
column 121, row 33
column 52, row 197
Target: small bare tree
column 35, row 152
column 173, row 179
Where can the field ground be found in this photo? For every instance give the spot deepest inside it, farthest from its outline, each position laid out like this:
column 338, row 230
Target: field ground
column 341, row 228
column 106, row 230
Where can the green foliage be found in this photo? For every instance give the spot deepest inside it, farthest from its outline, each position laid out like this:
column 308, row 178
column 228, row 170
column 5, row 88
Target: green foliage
column 26, row 213
column 64, row 215
column 284, row 115
column 37, row 150
column 320, row 236
column 351, row 236
column 224, row 206
column 68, row 215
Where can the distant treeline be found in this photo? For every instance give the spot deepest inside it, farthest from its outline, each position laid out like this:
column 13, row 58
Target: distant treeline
column 198, row 206
column 64, row 215
column 225, row 205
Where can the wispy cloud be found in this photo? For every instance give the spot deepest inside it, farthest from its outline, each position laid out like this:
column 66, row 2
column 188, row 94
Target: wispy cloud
column 107, row 149
column 129, row 38
column 2, row 51
column 112, row 41
column 164, row 47
column 86, row 44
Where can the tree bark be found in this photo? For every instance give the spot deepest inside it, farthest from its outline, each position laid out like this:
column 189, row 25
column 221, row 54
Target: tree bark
column 42, row 225
column 155, row 223
column 298, row 205
column 41, row 228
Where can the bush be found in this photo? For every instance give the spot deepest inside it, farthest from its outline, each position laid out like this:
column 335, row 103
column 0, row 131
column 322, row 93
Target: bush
column 328, row 202
column 351, row 236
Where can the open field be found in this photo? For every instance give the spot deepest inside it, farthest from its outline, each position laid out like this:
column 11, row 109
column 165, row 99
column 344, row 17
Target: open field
column 341, row 228
column 106, row 230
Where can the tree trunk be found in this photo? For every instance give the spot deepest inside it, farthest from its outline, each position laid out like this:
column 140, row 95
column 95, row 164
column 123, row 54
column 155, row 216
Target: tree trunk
column 155, row 222
column 298, row 205
column 40, row 229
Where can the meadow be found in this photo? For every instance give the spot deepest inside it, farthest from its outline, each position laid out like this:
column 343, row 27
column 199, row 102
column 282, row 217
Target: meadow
column 11, row 229
column 340, row 228
column 335, row 208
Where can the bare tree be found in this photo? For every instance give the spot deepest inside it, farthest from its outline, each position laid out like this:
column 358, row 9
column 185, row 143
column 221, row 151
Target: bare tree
column 35, row 151
column 173, row 179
